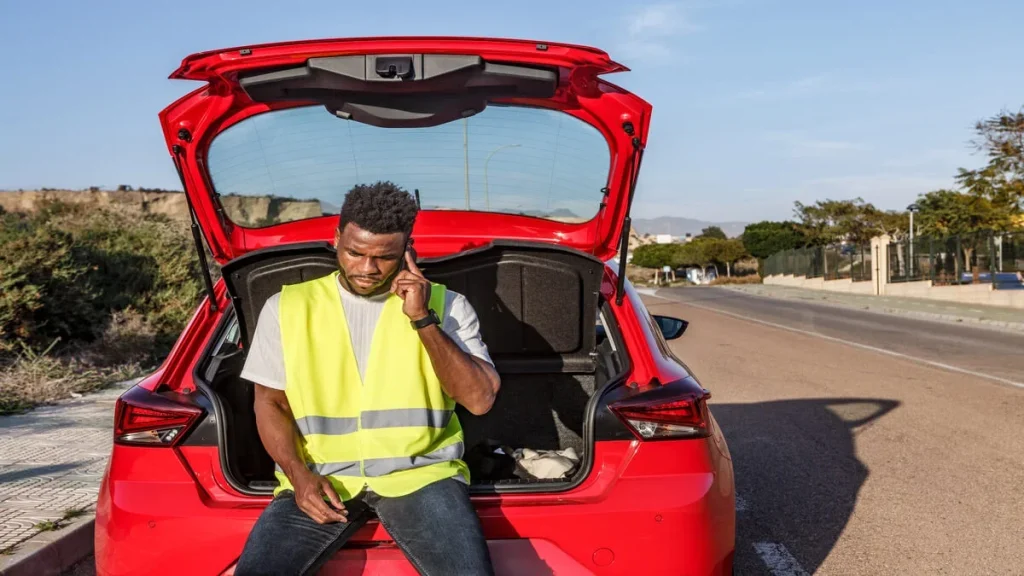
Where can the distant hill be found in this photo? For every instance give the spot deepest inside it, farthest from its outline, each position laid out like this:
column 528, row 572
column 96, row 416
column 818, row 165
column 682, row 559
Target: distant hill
column 328, row 208
column 262, row 210
column 683, row 226
column 244, row 210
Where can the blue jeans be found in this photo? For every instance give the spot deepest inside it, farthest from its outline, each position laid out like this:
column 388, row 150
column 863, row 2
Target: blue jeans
column 436, row 527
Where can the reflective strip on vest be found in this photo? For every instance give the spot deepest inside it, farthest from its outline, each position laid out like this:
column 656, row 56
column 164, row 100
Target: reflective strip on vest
column 395, row 418
column 402, row 417
column 329, row 468
column 382, row 466
column 325, row 425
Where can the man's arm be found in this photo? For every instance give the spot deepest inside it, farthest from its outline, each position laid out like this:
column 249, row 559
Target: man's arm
column 470, row 381
column 277, row 431
column 264, row 365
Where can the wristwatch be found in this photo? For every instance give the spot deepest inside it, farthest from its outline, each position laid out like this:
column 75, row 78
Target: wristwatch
column 430, row 318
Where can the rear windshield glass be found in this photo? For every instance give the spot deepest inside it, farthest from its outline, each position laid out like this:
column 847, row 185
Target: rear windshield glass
column 298, row 163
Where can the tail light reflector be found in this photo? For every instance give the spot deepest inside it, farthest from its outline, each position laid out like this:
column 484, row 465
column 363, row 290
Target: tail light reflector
column 671, row 411
column 144, row 418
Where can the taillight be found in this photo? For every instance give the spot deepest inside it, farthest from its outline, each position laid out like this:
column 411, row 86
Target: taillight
column 144, row 418
column 670, row 411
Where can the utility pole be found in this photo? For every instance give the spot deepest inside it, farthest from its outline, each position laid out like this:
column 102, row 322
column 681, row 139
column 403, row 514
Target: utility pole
column 465, row 148
column 487, row 189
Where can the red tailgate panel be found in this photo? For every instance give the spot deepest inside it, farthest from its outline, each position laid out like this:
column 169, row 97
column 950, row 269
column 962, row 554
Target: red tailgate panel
column 657, row 508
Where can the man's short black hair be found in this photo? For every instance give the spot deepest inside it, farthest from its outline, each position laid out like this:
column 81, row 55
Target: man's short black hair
column 380, row 208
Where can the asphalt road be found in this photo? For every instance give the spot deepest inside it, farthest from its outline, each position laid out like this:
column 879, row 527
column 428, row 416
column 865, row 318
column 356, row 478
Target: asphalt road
column 852, row 460
column 982, row 351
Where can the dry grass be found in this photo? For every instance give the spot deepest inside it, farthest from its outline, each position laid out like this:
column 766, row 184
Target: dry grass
column 37, row 377
column 725, row 280
column 69, row 515
column 639, row 276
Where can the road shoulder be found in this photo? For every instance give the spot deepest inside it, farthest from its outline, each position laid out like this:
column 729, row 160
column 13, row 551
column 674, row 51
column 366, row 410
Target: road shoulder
column 1005, row 319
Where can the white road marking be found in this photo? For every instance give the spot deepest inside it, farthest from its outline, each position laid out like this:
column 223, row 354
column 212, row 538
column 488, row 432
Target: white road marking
column 932, row 363
column 779, row 561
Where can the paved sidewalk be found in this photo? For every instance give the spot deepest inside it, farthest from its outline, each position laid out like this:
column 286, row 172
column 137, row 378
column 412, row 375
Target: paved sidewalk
column 1001, row 318
column 51, row 462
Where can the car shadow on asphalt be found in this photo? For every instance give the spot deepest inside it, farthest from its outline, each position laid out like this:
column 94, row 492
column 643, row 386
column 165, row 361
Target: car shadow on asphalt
column 797, row 473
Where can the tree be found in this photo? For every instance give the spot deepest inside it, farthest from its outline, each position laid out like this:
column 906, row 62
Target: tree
column 951, row 213
column 766, row 238
column 892, row 222
column 1001, row 181
column 828, row 222
column 728, row 252
column 991, row 198
column 703, row 251
column 655, row 255
column 713, row 232
column 690, row 254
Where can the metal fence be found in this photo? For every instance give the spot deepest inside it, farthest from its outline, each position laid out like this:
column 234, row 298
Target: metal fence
column 990, row 258
column 848, row 261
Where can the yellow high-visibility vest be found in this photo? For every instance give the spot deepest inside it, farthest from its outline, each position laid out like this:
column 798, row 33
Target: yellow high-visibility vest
column 394, row 433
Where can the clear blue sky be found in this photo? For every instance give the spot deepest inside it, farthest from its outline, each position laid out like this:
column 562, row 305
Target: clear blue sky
column 757, row 102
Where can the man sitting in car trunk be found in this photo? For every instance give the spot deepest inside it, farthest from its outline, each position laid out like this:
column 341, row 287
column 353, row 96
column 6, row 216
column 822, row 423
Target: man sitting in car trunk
column 357, row 375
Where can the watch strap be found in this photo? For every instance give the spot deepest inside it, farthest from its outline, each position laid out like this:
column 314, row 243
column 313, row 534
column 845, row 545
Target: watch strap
column 430, row 318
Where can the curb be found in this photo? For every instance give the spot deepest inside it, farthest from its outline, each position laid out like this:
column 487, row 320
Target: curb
column 51, row 553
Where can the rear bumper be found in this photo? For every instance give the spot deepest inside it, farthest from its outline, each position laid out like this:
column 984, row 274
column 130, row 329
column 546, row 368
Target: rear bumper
column 529, row 556
column 652, row 508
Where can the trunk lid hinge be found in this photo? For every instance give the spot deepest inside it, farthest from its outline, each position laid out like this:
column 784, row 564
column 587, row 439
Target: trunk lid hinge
column 196, row 235
column 627, row 222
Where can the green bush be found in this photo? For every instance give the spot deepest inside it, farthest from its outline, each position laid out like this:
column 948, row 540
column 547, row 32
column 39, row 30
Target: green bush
column 42, row 286
column 655, row 255
column 763, row 239
column 65, row 271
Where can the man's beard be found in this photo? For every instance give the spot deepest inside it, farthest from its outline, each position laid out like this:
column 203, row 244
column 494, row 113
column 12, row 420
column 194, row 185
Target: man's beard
column 376, row 289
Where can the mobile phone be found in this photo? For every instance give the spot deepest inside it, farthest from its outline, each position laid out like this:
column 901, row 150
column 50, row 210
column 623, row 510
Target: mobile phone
column 403, row 265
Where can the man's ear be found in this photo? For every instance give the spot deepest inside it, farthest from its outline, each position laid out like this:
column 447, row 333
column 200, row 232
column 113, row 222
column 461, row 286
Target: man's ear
column 337, row 238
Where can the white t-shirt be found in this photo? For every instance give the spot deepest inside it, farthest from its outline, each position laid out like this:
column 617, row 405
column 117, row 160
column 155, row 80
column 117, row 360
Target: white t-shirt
column 264, row 364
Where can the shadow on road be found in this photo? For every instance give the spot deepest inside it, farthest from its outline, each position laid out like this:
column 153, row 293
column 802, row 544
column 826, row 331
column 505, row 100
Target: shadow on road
column 697, row 294
column 16, row 474
column 797, row 473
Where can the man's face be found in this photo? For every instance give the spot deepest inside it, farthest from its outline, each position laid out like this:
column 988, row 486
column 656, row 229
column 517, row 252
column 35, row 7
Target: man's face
column 368, row 261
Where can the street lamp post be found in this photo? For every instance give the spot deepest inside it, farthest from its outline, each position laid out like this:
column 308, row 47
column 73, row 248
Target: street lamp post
column 487, row 191
column 910, row 265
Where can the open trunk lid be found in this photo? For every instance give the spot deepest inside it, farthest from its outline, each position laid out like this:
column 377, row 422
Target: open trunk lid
column 270, row 145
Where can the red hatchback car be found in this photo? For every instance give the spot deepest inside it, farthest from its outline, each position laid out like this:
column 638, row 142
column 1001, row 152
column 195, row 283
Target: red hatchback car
column 524, row 161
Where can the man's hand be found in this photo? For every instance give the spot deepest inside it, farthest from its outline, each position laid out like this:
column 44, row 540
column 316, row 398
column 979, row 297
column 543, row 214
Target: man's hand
column 276, row 426
column 413, row 289
column 310, row 490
